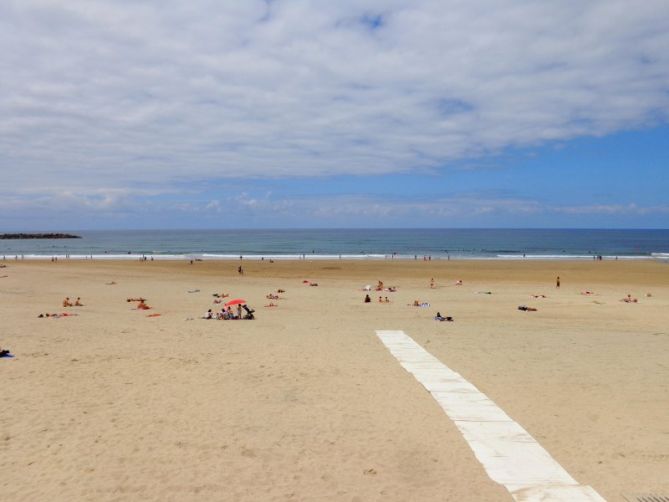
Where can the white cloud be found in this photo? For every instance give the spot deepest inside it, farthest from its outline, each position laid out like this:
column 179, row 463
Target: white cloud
column 631, row 209
column 143, row 208
column 115, row 93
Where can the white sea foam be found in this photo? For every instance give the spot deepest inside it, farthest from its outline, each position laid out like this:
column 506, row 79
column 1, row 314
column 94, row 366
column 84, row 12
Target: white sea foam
column 198, row 257
column 570, row 257
column 314, row 257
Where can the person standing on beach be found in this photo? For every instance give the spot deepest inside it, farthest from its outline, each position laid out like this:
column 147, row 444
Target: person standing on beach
column 240, row 270
column 557, row 282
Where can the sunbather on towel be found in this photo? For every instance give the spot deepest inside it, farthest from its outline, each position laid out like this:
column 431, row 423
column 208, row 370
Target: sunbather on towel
column 439, row 317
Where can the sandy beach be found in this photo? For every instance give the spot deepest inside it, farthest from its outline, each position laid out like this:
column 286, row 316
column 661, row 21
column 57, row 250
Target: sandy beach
column 304, row 402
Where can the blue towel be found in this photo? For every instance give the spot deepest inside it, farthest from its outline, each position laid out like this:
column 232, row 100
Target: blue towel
column 7, row 355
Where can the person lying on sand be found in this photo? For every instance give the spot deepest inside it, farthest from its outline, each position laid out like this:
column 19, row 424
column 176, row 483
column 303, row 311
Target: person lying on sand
column 64, row 314
column 629, row 299
column 272, row 296
column 271, row 304
column 222, row 295
column 439, row 317
column 539, row 296
column 110, row 283
column 140, row 299
column 525, row 308
column 67, row 302
column 587, row 292
column 280, row 290
column 142, row 306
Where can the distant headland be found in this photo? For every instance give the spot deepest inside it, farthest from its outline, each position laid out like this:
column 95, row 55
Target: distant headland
column 39, row 236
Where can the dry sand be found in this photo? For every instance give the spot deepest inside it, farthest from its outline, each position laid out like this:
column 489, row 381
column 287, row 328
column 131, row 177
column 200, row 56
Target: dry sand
column 305, row 403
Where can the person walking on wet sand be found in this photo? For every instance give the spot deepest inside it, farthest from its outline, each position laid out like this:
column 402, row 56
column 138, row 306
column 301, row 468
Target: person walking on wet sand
column 240, row 270
column 557, row 282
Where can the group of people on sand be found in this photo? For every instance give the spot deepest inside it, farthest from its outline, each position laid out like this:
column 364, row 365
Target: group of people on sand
column 228, row 314
column 68, row 303
column 380, row 287
column 433, row 284
column 141, row 303
column 368, row 299
column 218, row 298
column 274, row 296
column 225, row 314
column 57, row 315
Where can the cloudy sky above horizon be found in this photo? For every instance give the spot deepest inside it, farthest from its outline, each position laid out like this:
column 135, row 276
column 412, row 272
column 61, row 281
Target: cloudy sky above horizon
column 278, row 113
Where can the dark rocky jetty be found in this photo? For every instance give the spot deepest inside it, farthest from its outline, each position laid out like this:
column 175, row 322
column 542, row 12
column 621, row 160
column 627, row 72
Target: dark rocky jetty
column 39, row 236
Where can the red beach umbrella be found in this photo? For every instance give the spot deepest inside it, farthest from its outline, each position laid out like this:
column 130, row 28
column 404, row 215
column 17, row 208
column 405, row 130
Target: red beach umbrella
column 236, row 301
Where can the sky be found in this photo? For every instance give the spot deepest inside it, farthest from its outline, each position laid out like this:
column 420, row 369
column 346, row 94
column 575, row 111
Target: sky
column 139, row 114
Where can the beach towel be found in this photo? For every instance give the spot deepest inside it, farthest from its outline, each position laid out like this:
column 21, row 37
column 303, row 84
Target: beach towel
column 7, row 355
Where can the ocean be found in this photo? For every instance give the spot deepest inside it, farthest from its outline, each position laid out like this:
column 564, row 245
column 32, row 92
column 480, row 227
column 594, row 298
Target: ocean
column 349, row 244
